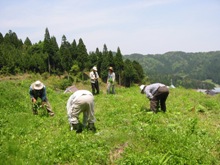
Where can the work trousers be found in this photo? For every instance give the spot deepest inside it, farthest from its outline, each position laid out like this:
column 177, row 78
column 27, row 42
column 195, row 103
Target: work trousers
column 84, row 104
column 95, row 87
column 159, row 99
column 110, row 88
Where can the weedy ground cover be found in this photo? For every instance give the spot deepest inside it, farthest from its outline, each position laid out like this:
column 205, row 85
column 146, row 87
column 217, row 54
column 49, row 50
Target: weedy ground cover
column 127, row 132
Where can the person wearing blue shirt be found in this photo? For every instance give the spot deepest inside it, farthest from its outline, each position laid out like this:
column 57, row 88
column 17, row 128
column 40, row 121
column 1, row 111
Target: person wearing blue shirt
column 38, row 90
column 157, row 93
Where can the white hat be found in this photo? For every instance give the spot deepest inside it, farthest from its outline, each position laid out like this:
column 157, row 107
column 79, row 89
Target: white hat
column 38, row 85
column 94, row 68
column 142, row 87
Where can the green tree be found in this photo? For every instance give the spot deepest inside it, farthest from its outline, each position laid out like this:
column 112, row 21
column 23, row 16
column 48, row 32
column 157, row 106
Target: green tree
column 82, row 55
column 99, row 61
column 105, row 63
column 93, row 59
column 74, row 50
column 27, row 42
column 1, row 38
column 55, row 58
column 139, row 73
column 75, row 71
column 119, row 65
column 65, row 54
column 128, row 73
column 47, row 48
column 37, row 58
column 12, row 39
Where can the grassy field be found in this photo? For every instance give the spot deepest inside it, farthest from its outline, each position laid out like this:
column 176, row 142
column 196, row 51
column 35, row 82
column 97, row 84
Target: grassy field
column 127, row 133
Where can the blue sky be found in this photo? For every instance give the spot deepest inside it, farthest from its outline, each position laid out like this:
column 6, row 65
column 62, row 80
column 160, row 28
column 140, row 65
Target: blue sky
column 135, row 26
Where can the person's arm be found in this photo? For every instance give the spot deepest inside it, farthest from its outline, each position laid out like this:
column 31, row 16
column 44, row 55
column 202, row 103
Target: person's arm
column 44, row 97
column 113, row 77
column 32, row 95
column 97, row 75
column 92, row 76
column 148, row 93
column 107, row 78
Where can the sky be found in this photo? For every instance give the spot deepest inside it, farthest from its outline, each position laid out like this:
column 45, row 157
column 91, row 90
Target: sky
column 134, row 26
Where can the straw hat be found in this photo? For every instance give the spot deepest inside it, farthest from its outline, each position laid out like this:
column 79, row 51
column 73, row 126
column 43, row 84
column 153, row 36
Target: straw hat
column 110, row 68
column 38, row 85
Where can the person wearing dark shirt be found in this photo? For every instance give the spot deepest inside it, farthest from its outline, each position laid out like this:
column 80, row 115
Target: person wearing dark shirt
column 94, row 76
column 38, row 90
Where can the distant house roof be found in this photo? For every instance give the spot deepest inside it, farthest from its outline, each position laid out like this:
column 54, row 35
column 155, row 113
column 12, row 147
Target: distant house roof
column 216, row 90
column 71, row 89
column 172, row 86
column 210, row 92
column 201, row 90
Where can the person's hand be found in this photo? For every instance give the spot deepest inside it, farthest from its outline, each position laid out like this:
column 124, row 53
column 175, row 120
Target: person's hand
column 34, row 100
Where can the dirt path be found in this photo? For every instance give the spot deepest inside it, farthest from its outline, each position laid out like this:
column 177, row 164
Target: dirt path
column 15, row 77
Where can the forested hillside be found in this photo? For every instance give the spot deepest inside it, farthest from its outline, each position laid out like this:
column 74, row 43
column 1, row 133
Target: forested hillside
column 72, row 59
column 191, row 70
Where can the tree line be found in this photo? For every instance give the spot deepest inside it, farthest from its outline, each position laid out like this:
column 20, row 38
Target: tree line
column 47, row 56
column 190, row 70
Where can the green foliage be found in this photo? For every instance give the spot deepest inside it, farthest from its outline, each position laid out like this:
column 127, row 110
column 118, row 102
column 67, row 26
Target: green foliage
column 64, row 84
column 40, row 109
column 185, row 69
column 47, row 56
column 127, row 133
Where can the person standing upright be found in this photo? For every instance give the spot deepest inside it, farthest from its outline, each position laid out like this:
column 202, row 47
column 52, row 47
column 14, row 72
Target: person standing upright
column 94, row 76
column 111, row 81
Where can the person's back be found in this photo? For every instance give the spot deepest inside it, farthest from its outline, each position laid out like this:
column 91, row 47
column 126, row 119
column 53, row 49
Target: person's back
column 81, row 101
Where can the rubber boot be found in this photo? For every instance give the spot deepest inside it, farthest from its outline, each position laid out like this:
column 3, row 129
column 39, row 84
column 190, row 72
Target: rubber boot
column 91, row 127
column 76, row 127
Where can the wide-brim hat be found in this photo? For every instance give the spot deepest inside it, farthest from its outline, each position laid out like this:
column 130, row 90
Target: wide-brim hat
column 38, row 85
column 110, row 68
column 94, row 68
column 142, row 88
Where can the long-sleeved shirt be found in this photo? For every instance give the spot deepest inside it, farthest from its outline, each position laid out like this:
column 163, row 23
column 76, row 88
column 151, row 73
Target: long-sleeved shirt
column 38, row 93
column 151, row 89
column 73, row 98
column 93, row 76
column 111, row 78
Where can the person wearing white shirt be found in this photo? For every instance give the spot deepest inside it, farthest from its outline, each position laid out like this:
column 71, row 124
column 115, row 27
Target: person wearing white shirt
column 81, row 101
column 94, row 76
column 157, row 93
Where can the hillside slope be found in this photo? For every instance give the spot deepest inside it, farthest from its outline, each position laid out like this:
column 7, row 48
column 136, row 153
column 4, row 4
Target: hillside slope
column 127, row 133
column 181, row 67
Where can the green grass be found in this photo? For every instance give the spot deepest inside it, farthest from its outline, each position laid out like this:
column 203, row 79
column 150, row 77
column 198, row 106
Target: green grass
column 127, row 133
